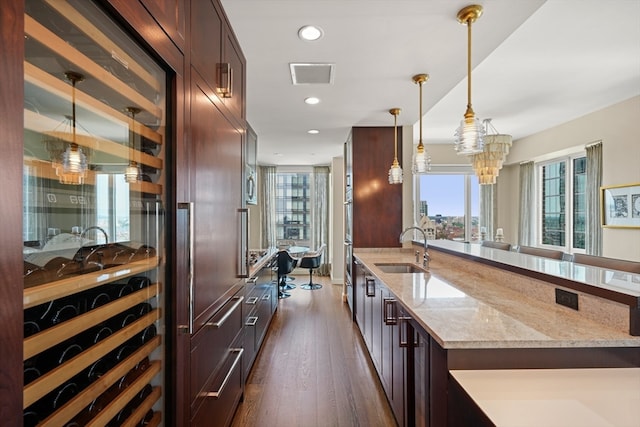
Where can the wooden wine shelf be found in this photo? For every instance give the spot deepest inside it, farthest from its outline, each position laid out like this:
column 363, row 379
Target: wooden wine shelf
column 89, row 394
column 68, row 286
column 77, row 19
column 49, row 83
column 42, row 124
column 54, row 378
column 60, row 47
column 145, row 406
column 46, row 339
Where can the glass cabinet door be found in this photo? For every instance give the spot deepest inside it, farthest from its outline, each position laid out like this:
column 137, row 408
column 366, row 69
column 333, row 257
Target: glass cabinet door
column 95, row 109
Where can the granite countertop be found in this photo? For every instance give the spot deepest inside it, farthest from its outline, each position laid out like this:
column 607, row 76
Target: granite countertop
column 555, row 397
column 460, row 311
column 617, row 281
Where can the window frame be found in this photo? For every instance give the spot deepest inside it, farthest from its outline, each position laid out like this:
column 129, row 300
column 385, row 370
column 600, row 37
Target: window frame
column 468, row 173
column 568, row 159
column 296, row 170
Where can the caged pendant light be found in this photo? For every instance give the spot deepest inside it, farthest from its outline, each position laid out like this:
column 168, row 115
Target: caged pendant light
column 395, row 172
column 421, row 159
column 469, row 137
column 132, row 172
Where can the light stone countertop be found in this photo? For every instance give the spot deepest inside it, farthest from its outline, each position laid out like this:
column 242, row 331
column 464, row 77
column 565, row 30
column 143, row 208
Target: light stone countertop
column 614, row 280
column 460, row 311
column 556, row 397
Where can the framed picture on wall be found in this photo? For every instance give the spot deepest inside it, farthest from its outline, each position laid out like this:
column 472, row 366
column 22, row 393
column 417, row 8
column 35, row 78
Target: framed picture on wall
column 620, row 206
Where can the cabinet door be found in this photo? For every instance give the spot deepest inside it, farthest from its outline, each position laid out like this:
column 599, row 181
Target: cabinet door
column 375, row 298
column 216, row 174
column 206, row 40
column 170, row 15
column 421, row 390
column 394, row 354
column 233, row 56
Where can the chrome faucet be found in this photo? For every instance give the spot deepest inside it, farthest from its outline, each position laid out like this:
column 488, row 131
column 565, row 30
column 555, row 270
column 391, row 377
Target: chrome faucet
column 95, row 227
column 425, row 257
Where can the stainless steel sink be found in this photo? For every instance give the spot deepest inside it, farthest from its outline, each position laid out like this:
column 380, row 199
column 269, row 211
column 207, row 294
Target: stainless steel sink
column 399, row 268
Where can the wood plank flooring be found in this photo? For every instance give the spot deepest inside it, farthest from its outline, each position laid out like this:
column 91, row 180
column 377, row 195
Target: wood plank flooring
column 313, row 369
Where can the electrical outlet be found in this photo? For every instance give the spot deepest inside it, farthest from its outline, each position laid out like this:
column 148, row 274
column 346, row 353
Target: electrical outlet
column 566, row 298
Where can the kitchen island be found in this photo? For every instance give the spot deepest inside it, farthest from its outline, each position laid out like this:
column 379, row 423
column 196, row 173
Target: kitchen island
column 466, row 314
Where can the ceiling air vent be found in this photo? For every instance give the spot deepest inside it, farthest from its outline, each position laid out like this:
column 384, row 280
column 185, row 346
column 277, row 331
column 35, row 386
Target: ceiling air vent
column 311, row 74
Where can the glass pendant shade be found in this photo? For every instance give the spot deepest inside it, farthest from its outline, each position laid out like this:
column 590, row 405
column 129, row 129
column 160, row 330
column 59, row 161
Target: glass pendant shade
column 469, row 137
column 395, row 172
column 421, row 160
column 131, row 173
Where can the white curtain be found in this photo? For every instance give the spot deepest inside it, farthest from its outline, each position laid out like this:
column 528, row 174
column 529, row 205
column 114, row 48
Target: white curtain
column 527, row 195
column 593, row 228
column 266, row 196
column 320, row 215
column 487, row 209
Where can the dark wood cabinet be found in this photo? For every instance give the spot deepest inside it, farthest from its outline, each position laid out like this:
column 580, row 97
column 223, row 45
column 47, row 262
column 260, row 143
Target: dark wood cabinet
column 216, row 55
column 377, row 205
column 260, row 305
column 216, row 176
column 171, row 16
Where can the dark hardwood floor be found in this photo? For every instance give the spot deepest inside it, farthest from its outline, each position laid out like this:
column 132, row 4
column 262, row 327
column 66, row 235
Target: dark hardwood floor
column 313, row 369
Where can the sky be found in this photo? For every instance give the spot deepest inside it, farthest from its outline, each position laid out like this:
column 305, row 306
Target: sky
column 445, row 194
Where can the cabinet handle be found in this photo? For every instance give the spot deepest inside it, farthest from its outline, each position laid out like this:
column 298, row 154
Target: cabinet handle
column 188, row 209
column 243, row 247
column 405, row 322
column 266, row 297
column 225, row 80
column 390, row 312
column 224, row 318
column 251, row 321
column 251, row 280
column 368, row 280
column 252, row 300
column 216, row 394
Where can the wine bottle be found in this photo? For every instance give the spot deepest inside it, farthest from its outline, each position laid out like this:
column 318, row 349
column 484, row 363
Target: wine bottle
column 118, row 290
column 57, row 264
column 139, row 282
column 34, row 275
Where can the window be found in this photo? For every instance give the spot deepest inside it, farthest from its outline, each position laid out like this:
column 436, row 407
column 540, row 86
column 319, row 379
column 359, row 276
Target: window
column 293, row 207
column 562, row 207
column 450, row 198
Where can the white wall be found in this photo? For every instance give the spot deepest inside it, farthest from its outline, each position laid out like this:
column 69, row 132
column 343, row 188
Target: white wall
column 616, row 126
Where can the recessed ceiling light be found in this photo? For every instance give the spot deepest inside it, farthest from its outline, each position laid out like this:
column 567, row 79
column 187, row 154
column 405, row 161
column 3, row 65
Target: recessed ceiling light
column 310, row 33
column 312, row 100
column 313, row 131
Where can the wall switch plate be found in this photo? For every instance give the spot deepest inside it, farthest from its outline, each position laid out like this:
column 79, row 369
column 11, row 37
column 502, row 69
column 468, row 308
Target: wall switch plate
column 566, row 298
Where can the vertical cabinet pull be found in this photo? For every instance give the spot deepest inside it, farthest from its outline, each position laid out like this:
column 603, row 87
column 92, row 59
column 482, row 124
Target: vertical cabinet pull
column 390, row 312
column 187, row 210
column 368, row 282
column 225, row 80
column 243, row 246
column 216, row 394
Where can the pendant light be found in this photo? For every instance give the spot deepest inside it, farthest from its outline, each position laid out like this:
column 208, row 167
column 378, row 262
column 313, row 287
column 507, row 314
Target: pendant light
column 132, row 172
column 395, row 172
column 469, row 137
column 71, row 167
column 421, row 159
column 488, row 163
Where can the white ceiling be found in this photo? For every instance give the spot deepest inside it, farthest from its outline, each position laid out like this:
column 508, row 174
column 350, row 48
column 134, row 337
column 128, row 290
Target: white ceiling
column 536, row 64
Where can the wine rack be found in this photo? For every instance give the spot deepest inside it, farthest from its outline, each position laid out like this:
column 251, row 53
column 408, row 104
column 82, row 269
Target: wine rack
column 95, row 118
